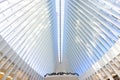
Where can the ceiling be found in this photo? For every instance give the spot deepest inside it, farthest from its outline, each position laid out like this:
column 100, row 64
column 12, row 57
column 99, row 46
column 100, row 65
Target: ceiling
column 88, row 30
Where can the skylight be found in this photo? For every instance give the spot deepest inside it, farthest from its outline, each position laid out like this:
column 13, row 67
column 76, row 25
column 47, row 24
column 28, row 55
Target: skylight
column 60, row 25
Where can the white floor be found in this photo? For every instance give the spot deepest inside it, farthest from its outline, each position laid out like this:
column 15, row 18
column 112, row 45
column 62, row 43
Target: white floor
column 62, row 77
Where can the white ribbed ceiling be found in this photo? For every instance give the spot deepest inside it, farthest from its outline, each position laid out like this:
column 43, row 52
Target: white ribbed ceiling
column 28, row 26
column 89, row 29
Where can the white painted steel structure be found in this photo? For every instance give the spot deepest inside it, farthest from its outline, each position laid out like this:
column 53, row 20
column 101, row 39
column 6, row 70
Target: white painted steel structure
column 29, row 39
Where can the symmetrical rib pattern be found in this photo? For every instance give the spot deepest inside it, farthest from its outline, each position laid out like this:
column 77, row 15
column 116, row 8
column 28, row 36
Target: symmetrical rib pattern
column 30, row 38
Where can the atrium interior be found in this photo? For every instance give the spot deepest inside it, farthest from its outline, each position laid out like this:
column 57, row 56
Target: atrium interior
column 59, row 39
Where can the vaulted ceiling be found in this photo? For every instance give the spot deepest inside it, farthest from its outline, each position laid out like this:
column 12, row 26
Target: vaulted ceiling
column 89, row 30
